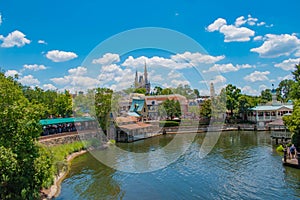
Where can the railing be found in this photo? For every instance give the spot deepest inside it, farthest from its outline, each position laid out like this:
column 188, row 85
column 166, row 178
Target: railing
column 281, row 134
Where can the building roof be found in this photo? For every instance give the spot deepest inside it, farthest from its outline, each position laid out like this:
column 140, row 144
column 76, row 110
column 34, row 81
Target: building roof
column 272, row 107
column 45, row 122
column 134, row 126
column 137, row 105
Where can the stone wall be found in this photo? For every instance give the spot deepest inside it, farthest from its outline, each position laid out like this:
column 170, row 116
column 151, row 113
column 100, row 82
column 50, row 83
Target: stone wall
column 66, row 138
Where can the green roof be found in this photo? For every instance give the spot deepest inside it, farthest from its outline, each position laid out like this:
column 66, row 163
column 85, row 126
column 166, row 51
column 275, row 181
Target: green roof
column 45, row 122
column 137, row 105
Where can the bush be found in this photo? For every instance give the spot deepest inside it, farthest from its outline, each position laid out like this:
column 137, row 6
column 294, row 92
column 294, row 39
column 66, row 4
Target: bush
column 168, row 123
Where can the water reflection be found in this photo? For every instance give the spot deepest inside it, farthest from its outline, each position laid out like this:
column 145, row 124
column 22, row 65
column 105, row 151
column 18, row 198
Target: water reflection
column 243, row 165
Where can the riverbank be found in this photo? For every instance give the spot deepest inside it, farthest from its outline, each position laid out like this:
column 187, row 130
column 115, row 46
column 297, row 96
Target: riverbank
column 54, row 190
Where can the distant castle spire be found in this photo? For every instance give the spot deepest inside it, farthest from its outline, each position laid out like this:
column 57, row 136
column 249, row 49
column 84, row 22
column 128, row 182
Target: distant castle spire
column 136, row 82
column 142, row 81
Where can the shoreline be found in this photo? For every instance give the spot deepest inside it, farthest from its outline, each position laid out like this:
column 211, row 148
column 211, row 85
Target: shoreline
column 54, row 190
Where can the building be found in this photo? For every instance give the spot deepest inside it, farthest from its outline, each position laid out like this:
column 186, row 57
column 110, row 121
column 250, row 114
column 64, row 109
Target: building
column 142, row 81
column 138, row 109
column 274, row 110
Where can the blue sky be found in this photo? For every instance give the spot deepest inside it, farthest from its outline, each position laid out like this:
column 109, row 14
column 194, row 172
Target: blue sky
column 251, row 44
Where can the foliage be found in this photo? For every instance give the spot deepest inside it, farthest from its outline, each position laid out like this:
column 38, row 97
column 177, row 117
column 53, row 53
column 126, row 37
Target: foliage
column 246, row 102
column 140, row 90
column 172, row 108
column 103, row 106
column 167, row 91
column 293, row 123
column 205, row 109
column 232, row 95
column 168, row 123
column 185, row 90
column 295, row 93
column 22, row 175
column 284, row 90
column 84, row 103
column 266, row 96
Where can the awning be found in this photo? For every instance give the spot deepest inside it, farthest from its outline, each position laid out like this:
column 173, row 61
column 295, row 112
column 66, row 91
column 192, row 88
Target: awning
column 134, row 114
column 45, row 122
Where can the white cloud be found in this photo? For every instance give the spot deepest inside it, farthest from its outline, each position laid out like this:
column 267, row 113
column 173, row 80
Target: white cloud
column 287, row 77
column 196, row 58
column 257, row 76
column 249, row 90
column 288, row 64
column 262, row 87
column 218, row 79
column 42, row 42
column 261, row 23
column 76, row 80
column 11, row 73
column 49, row 87
column 277, row 45
column 35, row 67
column 297, row 53
column 15, row 38
column 60, row 56
column 216, row 25
column 240, row 21
column 0, row 19
column 236, row 34
column 224, row 68
column 258, row 38
column 175, row 82
column 107, row 59
column 251, row 21
column 173, row 74
column 232, row 33
column 29, row 80
column 79, row 71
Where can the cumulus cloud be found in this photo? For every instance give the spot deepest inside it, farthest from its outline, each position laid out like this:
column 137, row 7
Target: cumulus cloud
column 35, row 67
column 224, row 68
column 79, row 71
column 42, row 42
column 249, row 90
column 216, row 25
column 107, row 59
column 11, row 73
column 257, row 76
column 60, row 56
column 258, row 38
column 196, row 58
column 15, row 38
column 218, row 79
column 76, row 80
column 288, row 64
column 232, row 33
column 277, row 45
column 29, row 80
column 178, row 61
column 49, row 87
column 287, row 77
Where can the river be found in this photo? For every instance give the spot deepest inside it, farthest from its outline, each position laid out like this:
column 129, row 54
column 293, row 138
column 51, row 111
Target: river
column 242, row 165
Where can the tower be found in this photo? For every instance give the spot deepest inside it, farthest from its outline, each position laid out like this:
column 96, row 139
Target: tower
column 136, row 83
column 212, row 90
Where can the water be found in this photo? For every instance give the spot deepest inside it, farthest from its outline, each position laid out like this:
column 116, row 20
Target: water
column 242, row 165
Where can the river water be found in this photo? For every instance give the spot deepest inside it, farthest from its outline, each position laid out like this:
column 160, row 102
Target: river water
column 242, row 165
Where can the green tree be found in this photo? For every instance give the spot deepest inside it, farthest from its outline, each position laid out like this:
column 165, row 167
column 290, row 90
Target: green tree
column 246, row 102
column 295, row 93
column 232, row 97
column 205, row 109
column 158, row 90
column 140, row 90
column 265, row 96
column 63, row 104
column 167, row 91
column 293, row 123
column 284, row 89
column 197, row 93
column 172, row 108
column 23, row 173
column 103, row 106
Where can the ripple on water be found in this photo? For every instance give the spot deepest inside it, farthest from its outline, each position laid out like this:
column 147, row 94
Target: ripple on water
column 241, row 166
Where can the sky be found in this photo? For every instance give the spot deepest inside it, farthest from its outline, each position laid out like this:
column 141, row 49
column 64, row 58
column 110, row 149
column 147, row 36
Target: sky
column 77, row 45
